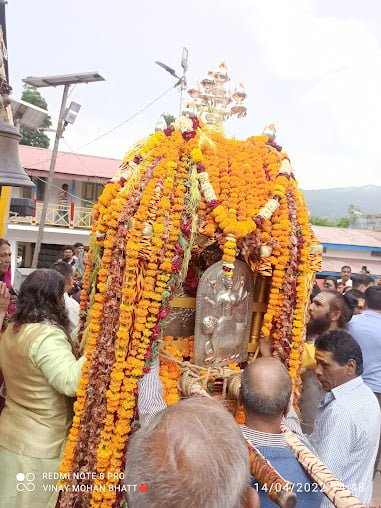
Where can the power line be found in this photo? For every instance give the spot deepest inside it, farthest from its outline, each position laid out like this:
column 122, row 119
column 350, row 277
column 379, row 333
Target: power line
column 114, row 128
column 128, row 119
column 71, row 195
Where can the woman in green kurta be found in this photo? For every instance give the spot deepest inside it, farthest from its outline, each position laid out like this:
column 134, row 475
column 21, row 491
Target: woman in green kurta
column 41, row 373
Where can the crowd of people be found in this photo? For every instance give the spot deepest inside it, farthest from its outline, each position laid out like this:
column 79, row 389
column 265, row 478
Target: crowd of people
column 199, row 455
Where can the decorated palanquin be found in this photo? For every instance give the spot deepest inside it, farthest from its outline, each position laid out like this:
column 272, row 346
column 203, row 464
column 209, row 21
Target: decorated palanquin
column 200, row 246
column 191, row 219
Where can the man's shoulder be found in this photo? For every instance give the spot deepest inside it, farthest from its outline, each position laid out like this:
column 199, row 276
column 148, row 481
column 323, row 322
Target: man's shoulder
column 367, row 315
column 354, row 403
column 356, row 319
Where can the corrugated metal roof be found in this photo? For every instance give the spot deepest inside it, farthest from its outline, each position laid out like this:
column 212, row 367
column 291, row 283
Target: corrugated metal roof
column 343, row 236
column 38, row 159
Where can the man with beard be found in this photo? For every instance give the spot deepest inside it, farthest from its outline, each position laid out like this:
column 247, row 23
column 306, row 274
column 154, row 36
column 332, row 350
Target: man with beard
column 329, row 310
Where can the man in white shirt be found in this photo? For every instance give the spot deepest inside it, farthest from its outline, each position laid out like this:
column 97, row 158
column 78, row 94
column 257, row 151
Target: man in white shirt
column 346, row 272
column 347, row 426
column 72, row 307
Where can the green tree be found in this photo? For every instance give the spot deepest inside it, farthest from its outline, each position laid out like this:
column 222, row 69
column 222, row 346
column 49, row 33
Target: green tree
column 37, row 138
column 342, row 222
column 322, row 221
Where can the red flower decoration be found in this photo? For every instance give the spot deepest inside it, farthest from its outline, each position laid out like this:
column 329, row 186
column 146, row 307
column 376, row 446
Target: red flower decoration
column 168, row 131
column 187, row 135
column 186, row 227
column 179, row 249
column 176, row 265
column 155, row 332
column 213, row 203
column 195, row 122
column 163, row 312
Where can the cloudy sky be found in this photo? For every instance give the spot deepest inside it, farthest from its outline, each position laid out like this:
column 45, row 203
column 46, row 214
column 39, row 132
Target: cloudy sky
column 311, row 66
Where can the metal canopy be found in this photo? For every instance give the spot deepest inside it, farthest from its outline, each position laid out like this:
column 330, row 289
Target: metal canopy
column 65, row 79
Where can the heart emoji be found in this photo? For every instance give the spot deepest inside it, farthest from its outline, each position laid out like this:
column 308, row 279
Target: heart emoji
column 143, row 487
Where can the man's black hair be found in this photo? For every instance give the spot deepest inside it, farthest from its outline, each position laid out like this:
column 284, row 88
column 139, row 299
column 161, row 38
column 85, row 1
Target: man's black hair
column 344, row 305
column 359, row 279
column 343, row 348
column 373, row 297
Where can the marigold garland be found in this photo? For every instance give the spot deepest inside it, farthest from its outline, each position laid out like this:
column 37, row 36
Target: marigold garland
column 180, row 189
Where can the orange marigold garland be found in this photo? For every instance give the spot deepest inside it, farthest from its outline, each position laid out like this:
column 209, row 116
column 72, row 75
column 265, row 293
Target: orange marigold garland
column 178, row 190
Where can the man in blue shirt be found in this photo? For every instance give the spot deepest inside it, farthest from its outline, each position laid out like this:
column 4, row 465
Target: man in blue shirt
column 366, row 329
column 265, row 395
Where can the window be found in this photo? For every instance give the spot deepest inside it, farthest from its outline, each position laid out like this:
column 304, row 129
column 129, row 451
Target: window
column 20, row 262
column 375, row 253
column 91, row 192
column 41, row 184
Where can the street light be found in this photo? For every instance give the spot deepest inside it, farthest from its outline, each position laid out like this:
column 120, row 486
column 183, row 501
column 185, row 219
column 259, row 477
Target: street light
column 26, row 115
column 65, row 117
column 182, row 81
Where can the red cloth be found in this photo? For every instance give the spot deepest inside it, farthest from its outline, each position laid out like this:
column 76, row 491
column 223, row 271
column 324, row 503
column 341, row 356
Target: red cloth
column 7, row 278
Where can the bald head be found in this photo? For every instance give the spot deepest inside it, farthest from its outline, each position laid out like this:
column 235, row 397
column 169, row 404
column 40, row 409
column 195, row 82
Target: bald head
column 265, row 387
column 193, row 452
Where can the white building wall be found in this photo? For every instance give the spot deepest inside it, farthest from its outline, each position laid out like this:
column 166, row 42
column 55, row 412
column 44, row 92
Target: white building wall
column 28, row 234
column 348, row 253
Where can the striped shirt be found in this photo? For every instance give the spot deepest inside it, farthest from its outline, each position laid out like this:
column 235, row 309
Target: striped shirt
column 150, row 400
column 346, row 434
column 258, row 438
column 274, row 448
column 63, row 198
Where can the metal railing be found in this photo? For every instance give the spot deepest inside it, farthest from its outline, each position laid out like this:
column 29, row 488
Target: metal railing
column 69, row 216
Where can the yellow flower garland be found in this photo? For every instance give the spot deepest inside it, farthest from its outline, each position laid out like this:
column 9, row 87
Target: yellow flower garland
column 247, row 191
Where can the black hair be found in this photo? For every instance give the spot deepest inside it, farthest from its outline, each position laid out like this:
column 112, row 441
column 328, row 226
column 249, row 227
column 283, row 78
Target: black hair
column 345, row 266
column 343, row 304
column 359, row 279
column 78, row 244
column 354, row 293
column 315, row 290
column 68, row 247
column 65, row 269
column 343, row 348
column 333, row 279
column 373, row 297
column 39, row 300
column 4, row 242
